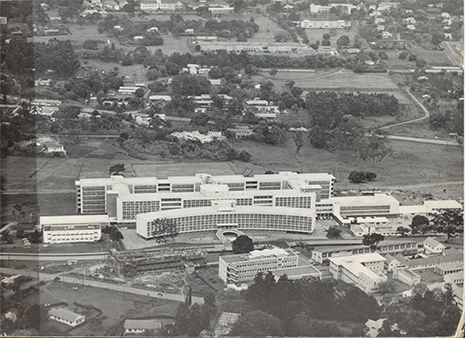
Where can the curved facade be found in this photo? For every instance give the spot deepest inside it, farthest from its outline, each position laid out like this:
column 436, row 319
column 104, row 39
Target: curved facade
column 224, row 215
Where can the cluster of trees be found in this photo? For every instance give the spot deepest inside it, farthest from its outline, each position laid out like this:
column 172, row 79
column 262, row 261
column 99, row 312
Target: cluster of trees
column 129, row 29
column 331, row 116
column 17, row 129
column 427, row 313
column 297, row 307
column 451, row 120
column 359, row 176
column 113, row 232
column 274, row 135
column 191, row 320
column 55, row 56
column 240, row 29
column 447, row 221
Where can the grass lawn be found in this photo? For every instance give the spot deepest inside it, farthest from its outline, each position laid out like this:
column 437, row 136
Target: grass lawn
column 432, row 57
column 316, row 34
column 342, row 80
column 410, row 163
column 181, row 169
column 116, row 306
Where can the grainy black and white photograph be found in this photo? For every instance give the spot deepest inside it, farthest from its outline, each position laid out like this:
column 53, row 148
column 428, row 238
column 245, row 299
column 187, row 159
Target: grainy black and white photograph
column 244, row 168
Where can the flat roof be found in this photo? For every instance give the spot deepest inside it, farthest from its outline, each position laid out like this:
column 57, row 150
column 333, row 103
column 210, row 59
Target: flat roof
column 258, row 254
column 359, row 246
column 444, row 204
column 73, row 219
column 364, row 200
column 297, row 271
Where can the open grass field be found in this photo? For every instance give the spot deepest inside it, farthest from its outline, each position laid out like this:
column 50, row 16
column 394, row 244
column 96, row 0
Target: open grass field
column 411, row 163
column 181, row 169
column 432, row 57
column 315, row 35
column 115, row 306
column 343, row 79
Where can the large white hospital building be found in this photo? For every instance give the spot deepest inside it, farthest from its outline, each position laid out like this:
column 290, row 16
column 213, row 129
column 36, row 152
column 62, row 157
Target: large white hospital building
column 286, row 201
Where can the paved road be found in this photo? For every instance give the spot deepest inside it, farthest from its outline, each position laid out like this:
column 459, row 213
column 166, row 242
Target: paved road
column 424, row 140
column 7, row 226
column 53, row 257
column 420, row 119
column 421, row 185
column 455, row 58
column 101, row 285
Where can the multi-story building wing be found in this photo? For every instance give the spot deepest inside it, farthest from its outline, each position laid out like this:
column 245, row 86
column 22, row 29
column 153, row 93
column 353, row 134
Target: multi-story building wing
column 244, row 267
column 75, row 228
column 364, row 271
column 226, row 214
column 123, row 198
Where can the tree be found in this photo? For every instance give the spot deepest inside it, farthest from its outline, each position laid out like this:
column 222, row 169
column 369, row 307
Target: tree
column 215, row 73
column 333, row 232
column 372, row 240
column 199, row 119
column 326, row 36
column 325, row 43
column 244, row 156
column 165, row 230
column 117, row 169
column 448, row 221
column 282, row 36
column 374, row 148
column 273, row 72
column 357, row 176
column 115, row 234
column 412, row 57
column 242, row 244
column 18, row 212
column 421, row 63
column 402, row 231
column 370, row 176
column 420, row 224
column 387, row 287
column 257, row 324
column 298, row 139
column 403, row 55
column 343, row 40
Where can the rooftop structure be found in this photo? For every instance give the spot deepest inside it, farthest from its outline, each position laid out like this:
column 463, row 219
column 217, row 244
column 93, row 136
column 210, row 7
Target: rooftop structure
column 432, row 245
column 364, row 271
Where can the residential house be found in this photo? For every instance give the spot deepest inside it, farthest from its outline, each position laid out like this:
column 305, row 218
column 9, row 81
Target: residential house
column 241, row 131
column 386, row 6
column 432, row 246
column 445, row 15
column 142, row 326
column 66, row 316
column 379, row 20
column 410, row 20
column 411, row 27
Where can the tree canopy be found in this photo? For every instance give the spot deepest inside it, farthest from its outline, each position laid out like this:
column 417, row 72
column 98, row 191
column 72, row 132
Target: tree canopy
column 242, row 244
